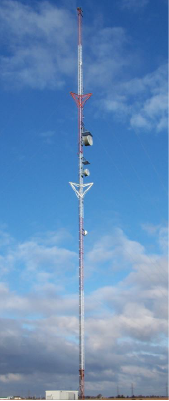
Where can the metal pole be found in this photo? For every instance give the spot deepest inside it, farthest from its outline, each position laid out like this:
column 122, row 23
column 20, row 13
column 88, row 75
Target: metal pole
column 80, row 100
column 81, row 212
column 132, row 390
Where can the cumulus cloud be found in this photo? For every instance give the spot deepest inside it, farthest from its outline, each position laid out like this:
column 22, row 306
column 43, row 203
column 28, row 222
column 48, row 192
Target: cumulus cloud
column 39, row 51
column 47, row 136
column 120, row 253
column 133, row 5
column 125, row 324
column 38, row 44
column 39, row 252
column 163, row 238
column 103, row 67
column 142, row 100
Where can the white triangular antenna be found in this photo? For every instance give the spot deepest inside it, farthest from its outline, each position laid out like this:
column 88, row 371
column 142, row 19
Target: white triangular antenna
column 78, row 194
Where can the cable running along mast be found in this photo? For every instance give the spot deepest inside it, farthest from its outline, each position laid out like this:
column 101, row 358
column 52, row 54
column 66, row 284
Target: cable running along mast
column 84, row 139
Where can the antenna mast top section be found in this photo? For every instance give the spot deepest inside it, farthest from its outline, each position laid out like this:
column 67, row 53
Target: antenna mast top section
column 80, row 62
column 80, row 11
column 80, row 15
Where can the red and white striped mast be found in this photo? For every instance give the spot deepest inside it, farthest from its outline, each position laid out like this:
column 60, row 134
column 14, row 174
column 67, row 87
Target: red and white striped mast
column 84, row 139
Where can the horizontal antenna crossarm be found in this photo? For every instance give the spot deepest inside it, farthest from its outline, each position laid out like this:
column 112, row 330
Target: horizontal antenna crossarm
column 80, row 194
column 80, row 99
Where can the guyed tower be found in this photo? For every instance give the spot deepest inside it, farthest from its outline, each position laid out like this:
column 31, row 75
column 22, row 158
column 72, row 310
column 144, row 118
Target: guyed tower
column 84, row 139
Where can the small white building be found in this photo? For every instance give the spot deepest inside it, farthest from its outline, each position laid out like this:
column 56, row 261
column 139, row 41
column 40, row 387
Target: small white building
column 61, row 395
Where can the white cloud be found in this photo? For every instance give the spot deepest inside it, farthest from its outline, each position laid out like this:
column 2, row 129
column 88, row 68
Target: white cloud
column 143, row 101
column 109, row 53
column 151, row 229
column 133, row 4
column 47, row 136
column 35, row 255
column 38, row 44
column 40, row 47
column 163, row 238
column 125, row 324
column 41, row 253
column 40, row 52
column 11, row 377
column 120, row 251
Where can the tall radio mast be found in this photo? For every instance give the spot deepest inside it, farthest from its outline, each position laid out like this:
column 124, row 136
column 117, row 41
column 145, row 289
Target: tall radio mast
column 84, row 139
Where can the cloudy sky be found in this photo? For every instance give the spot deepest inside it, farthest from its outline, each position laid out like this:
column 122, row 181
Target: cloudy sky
column 125, row 67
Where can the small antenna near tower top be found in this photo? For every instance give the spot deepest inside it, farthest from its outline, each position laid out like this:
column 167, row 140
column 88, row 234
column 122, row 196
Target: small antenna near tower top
column 80, row 11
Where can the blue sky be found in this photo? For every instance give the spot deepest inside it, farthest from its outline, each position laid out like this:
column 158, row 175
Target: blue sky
column 125, row 68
